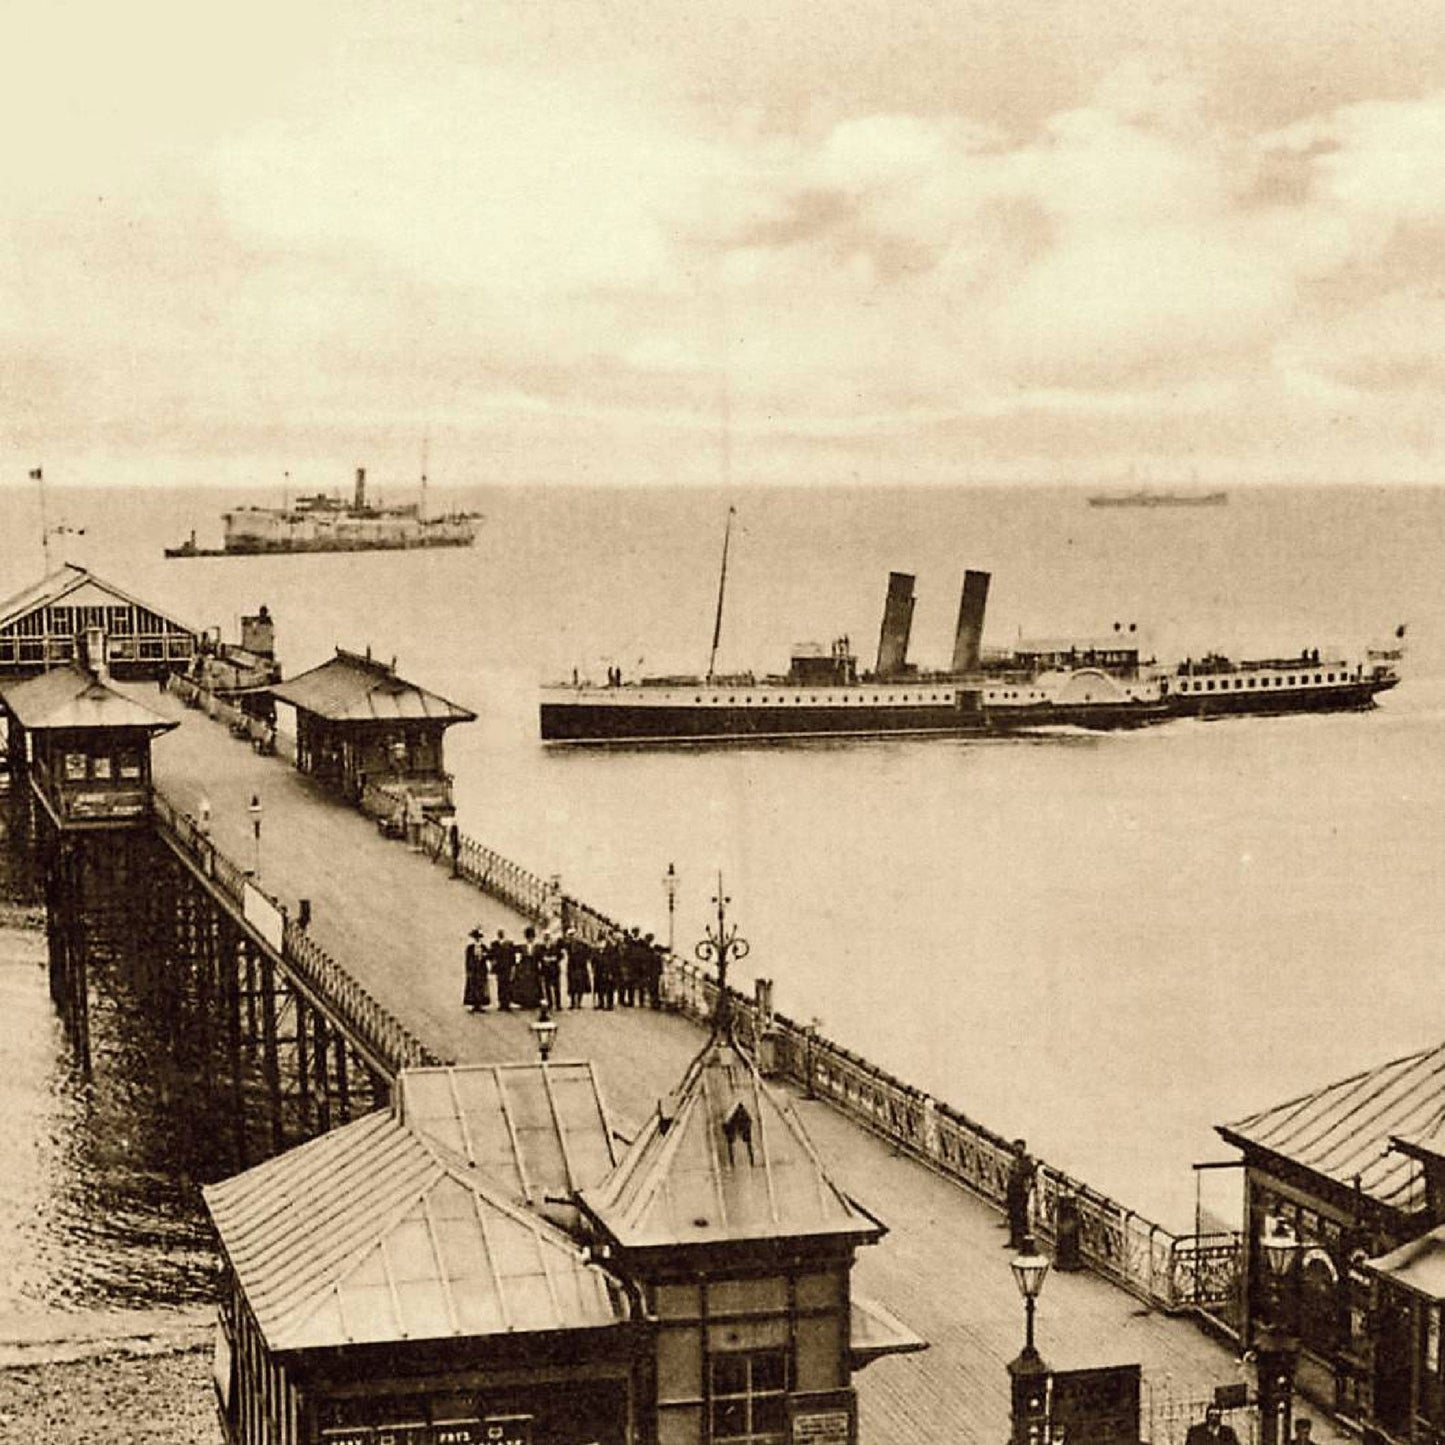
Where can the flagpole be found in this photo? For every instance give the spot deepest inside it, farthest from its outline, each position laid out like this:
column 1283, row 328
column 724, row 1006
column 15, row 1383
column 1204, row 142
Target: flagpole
column 38, row 476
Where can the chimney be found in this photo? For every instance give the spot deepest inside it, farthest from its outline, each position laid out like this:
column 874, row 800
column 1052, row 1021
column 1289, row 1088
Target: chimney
column 258, row 633
column 360, row 500
column 897, row 623
column 968, row 639
column 94, row 658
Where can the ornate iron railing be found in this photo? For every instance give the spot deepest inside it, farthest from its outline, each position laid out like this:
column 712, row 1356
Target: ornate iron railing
column 1170, row 1271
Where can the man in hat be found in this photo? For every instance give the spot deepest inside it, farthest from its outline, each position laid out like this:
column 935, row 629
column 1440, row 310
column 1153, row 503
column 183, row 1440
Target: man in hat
column 475, row 995
column 1213, row 1431
column 504, row 962
column 1018, row 1194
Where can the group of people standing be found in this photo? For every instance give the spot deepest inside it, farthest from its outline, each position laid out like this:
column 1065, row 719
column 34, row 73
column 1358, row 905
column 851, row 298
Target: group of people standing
column 533, row 971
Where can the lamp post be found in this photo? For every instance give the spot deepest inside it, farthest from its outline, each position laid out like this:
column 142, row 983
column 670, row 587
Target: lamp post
column 1279, row 1247
column 254, row 809
column 1028, row 1374
column 544, row 1030
column 669, row 882
column 722, row 946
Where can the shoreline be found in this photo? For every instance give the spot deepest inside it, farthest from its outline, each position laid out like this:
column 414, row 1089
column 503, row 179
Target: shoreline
column 145, row 1374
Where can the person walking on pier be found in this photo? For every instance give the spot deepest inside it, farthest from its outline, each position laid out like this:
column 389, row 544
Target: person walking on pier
column 504, row 963
column 630, row 966
column 579, row 968
column 550, row 970
column 652, row 972
column 474, row 994
column 1213, row 1431
column 1018, row 1194
column 527, row 975
column 604, row 973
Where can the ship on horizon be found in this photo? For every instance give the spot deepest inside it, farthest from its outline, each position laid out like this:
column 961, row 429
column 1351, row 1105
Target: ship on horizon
column 325, row 522
column 1148, row 497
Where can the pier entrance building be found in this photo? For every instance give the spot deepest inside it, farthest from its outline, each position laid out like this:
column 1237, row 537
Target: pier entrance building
column 43, row 626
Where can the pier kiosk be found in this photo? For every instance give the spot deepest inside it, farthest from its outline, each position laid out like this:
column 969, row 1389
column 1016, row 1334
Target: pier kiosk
column 371, row 735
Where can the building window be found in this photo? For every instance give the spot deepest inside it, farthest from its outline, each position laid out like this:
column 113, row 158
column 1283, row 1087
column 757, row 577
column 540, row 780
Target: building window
column 75, row 767
column 748, row 1397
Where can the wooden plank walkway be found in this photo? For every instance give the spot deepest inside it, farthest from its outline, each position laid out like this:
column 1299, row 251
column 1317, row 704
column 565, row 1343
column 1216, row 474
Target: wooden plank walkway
column 398, row 923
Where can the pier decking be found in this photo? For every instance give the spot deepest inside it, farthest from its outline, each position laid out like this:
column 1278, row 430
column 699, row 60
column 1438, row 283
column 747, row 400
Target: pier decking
column 397, row 921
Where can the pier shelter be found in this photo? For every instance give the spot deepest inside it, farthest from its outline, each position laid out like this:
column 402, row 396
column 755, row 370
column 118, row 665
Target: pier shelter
column 85, row 745
column 43, row 627
column 477, row 1264
column 1354, row 1173
column 382, row 1290
column 371, row 735
column 723, row 1216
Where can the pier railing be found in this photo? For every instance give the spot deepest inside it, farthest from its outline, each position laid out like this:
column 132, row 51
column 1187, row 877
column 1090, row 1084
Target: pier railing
column 371, row 1026
column 263, row 736
column 1168, row 1271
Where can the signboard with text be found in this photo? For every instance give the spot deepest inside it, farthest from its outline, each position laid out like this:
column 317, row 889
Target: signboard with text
column 823, row 1417
column 1096, row 1407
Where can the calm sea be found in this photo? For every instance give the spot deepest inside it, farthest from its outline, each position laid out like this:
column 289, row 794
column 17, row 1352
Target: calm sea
column 1107, row 944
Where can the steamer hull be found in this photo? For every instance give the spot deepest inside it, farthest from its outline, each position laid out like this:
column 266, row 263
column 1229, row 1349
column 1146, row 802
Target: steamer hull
column 603, row 716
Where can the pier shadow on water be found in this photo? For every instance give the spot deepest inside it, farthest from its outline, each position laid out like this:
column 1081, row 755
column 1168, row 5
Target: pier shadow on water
column 100, row 1173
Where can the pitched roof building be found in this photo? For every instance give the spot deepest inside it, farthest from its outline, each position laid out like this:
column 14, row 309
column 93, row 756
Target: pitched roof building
column 479, row 1264
column 42, row 627
column 1354, row 1172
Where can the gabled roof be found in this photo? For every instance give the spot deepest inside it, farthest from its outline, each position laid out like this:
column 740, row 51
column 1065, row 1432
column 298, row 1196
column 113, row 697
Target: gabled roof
column 71, row 697
column 355, row 688
column 64, row 584
column 1345, row 1130
column 371, row 1234
column 540, row 1132
column 723, row 1160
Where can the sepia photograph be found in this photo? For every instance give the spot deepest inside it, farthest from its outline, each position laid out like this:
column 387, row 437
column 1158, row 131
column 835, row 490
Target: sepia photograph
column 722, row 725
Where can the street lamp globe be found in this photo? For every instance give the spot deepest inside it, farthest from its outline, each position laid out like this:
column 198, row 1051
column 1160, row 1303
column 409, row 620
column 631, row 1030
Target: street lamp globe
column 1279, row 1244
column 544, row 1030
column 1029, row 1269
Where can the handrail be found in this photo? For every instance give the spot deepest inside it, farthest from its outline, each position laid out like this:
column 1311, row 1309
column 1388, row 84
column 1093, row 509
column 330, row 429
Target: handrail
column 1171, row 1272
column 372, row 1027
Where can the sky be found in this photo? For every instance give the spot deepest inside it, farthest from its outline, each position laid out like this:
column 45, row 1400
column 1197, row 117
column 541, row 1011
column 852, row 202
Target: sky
column 577, row 241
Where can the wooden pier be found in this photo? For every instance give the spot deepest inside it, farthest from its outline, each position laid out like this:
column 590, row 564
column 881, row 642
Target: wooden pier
column 376, row 975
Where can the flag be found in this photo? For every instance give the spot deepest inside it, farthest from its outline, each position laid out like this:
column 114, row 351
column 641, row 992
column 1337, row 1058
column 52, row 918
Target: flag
column 34, row 474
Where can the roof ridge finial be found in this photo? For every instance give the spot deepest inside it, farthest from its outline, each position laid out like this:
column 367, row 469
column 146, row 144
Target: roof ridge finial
column 722, row 946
